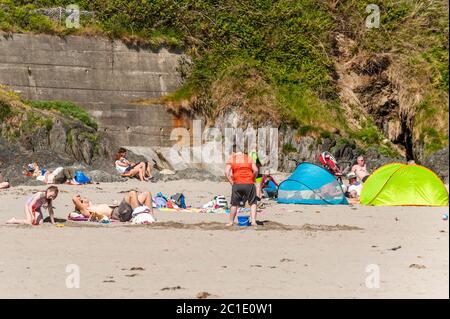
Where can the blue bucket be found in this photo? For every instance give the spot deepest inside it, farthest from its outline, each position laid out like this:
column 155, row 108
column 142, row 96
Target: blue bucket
column 243, row 221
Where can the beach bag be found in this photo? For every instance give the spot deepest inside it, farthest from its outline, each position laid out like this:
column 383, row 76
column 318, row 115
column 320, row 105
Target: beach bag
column 220, row 202
column 159, row 202
column 81, row 178
column 141, row 215
column 178, row 199
column 171, row 205
column 144, row 218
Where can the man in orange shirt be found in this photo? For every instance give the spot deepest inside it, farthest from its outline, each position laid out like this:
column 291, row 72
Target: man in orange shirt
column 241, row 172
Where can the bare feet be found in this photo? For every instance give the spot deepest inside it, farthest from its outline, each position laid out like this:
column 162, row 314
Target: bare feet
column 12, row 221
column 95, row 217
column 254, row 225
column 229, row 224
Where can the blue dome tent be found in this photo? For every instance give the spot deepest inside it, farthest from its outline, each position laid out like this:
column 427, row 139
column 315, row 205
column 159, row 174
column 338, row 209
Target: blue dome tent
column 311, row 184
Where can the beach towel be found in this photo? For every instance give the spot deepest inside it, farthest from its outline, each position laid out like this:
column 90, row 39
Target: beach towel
column 77, row 217
column 209, row 204
column 159, row 202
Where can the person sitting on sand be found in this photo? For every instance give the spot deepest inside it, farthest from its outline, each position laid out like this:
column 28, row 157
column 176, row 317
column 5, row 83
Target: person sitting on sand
column 269, row 185
column 59, row 175
column 354, row 189
column 360, row 169
column 127, row 168
column 3, row 184
column 34, row 205
column 241, row 172
column 122, row 212
column 258, row 180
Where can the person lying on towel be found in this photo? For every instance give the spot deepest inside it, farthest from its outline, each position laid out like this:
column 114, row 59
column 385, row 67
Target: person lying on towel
column 122, row 212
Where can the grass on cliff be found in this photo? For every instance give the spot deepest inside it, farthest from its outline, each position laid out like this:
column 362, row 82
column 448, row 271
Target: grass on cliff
column 416, row 35
column 67, row 109
column 272, row 58
column 17, row 116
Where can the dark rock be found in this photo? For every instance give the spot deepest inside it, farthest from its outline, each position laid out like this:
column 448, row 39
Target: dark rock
column 346, row 152
column 438, row 162
column 375, row 160
column 97, row 176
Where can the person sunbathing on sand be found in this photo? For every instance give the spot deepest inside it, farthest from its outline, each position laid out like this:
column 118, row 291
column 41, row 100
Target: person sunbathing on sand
column 122, row 212
column 34, row 205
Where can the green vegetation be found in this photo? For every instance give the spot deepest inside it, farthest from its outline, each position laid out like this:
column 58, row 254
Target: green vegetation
column 22, row 18
column 93, row 138
column 417, row 33
column 288, row 148
column 387, row 151
column 22, row 119
column 34, row 122
column 66, row 108
column 369, row 134
column 5, row 111
column 273, row 59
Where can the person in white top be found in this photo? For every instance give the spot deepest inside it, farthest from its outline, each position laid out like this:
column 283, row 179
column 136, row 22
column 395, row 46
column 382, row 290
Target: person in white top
column 354, row 189
column 360, row 169
column 59, row 175
column 127, row 168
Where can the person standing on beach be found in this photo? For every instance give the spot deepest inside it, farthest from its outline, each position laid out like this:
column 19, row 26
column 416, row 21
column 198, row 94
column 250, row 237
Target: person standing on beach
column 34, row 205
column 241, row 172
column 258, row 180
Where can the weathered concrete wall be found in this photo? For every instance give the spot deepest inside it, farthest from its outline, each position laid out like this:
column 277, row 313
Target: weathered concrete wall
column 102, row 75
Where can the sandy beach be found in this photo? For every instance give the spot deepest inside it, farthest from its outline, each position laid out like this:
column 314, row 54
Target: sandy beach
column 299, row 252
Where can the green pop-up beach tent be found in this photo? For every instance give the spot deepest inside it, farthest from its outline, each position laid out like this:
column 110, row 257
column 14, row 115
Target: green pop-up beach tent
column 399, row 184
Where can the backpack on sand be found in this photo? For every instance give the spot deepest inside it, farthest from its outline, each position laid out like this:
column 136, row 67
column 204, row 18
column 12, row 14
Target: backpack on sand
column 81, row 178
column 179, row 200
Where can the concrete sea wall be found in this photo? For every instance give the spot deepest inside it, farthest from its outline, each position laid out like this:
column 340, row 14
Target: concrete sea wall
column 105, row 76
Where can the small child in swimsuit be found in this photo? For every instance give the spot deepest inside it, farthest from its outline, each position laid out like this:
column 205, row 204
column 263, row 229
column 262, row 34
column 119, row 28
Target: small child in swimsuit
column 34, row 205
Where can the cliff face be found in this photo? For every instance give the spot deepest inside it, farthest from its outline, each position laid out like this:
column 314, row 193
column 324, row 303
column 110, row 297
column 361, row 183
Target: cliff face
column 311, row 68
column 29, row 134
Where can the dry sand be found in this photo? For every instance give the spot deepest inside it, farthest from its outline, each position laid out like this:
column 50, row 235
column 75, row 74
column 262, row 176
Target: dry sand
column 300, row 252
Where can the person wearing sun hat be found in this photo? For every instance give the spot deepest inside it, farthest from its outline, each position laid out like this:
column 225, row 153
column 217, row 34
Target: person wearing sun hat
column 355, row 187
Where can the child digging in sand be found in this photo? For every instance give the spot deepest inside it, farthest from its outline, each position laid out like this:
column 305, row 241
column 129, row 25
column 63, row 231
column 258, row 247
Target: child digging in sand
column 34, row 205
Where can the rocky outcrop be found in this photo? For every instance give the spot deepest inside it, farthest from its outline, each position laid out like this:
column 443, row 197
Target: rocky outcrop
column 438, row 162
column 29, row 134
column 14, row 157
column 369, row 88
